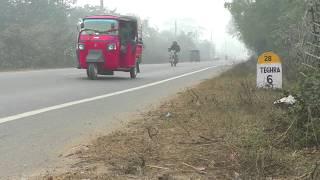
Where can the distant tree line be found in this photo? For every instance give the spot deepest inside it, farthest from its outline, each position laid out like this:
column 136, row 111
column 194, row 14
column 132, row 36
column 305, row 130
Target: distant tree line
column 35, row 33
column 42, row 34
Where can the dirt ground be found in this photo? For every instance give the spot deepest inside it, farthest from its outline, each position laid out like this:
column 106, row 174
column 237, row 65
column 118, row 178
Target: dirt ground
column 216, row 130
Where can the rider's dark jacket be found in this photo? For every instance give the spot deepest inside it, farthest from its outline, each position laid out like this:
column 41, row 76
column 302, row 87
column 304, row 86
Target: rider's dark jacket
column 175, row 47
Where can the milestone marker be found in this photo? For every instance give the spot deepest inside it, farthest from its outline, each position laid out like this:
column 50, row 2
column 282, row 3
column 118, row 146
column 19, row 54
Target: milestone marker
column 269, row 71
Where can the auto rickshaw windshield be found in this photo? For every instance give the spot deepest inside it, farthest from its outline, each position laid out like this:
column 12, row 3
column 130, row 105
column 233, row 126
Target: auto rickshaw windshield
column 100, row 26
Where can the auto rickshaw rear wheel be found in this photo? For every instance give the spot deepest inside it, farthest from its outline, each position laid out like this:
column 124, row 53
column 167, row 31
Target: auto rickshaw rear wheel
column 92, row 71
column 133, row 72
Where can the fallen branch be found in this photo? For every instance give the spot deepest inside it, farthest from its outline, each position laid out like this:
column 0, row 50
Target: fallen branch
column 198, row 170
column 209, row 139
column 205, row 138
column 157, row 167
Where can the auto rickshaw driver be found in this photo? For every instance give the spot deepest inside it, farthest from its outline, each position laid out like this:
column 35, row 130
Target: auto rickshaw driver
column 113, row 28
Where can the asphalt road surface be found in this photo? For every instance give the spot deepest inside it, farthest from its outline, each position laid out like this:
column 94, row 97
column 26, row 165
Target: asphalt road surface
column 42, row 113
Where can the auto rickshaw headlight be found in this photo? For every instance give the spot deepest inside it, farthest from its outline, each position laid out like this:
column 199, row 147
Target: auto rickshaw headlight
column 81, row 46
column 112, row 47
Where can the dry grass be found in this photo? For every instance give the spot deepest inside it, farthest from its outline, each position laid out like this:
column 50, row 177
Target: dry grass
column 223, row 129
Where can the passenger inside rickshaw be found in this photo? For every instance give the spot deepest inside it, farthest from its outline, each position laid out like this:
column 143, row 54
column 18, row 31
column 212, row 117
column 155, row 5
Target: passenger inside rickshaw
column 127, row 35
column 127, row 43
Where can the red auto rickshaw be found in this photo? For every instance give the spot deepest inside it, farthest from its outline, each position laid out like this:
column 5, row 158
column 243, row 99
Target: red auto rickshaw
column 108, row 43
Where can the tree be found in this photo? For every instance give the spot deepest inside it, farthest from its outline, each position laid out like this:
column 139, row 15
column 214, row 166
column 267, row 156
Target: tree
column 263, row 24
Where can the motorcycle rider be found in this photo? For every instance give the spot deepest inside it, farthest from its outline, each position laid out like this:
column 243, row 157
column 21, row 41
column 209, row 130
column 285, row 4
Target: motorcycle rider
column 176, row 48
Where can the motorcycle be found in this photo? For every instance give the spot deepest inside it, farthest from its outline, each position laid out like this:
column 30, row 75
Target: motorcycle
column 173, row 58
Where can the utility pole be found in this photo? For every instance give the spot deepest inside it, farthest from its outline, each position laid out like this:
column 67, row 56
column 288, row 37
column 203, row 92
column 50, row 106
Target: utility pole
column 211, row 46
column 175, row 29
column 101, row 5
column 225, row 48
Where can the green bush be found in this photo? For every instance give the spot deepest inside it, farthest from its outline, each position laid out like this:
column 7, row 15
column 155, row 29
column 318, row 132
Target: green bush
column 306, row 113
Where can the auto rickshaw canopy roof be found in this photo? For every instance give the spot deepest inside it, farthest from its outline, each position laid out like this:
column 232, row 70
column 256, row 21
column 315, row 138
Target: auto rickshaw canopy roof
column 115, row 17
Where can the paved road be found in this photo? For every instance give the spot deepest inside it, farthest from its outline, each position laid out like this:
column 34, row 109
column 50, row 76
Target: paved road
column 42, row 113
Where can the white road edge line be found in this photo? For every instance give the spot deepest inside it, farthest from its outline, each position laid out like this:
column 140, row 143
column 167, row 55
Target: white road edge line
column 65, row 105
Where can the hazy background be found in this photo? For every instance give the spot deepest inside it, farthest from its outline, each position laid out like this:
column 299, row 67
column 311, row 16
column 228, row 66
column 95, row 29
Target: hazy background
column 208, row 17
column 43, row 33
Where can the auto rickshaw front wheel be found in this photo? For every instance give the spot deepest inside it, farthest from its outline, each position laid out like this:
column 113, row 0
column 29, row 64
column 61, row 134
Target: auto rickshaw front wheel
column 92, row 71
